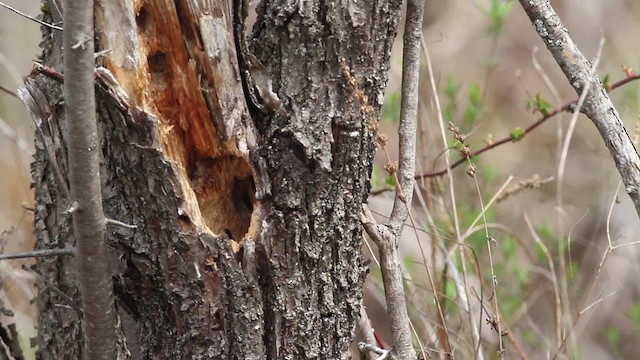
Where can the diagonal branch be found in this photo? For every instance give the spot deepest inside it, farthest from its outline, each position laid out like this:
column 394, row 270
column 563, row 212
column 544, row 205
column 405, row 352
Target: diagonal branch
column 598, row 106
column 509, row 139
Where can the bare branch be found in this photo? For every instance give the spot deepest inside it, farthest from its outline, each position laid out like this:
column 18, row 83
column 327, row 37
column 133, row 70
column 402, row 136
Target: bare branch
column 39, row 253
column 119, row 223
column 94, row 271
column 64, row 297
column 30, row 17
column 386, row 241
column 598, row 106
column 508, row 139
column 8, row 91
column 364, row 325
column 374, row 349
column 408, row 113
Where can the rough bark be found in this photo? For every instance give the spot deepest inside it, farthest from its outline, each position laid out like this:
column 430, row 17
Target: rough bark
column 243, row 167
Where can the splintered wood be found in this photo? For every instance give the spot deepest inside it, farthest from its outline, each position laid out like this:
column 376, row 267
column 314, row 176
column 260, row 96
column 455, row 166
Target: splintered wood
column 177, row 61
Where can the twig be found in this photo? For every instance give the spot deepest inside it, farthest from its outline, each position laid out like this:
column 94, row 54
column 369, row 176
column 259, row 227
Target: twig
column 554, row 277
column 494, row 279
column 39, row 253
column 598, row 106
column 49, row 72
column 30, row 17
column 8, row 91
column 374, row 349
column 526, row 131
column 564, row 152
column 408, row 113
column 64, row 297
column 364, row 325
column 119, row 223
column 609, row 250
column 476, row 335
column 386, row 241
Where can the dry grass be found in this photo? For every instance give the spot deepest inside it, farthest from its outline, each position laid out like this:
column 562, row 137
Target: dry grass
column 564, row 289
column 586, row 239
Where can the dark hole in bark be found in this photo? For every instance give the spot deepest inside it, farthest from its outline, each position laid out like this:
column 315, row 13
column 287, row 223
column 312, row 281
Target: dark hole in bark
column 243, row 197
column 184, row 220
column 141, row 17
column 244, row 194
column 157, row 62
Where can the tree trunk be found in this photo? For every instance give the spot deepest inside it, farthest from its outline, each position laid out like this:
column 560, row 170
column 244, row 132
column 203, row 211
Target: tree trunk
column 241, row 165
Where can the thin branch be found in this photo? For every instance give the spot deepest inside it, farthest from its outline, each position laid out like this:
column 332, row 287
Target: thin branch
column 64, row 297
column 30, row 17
column 389, row 259
column 119, row 223
column 508, row 139
column 49, row 72
column 366, row 331
column 94, row 270
column 476, row 339
column 363, row 347
column 598, row 106
column 39, row 253
column 8, row 91
column 553, row 277
column 391, row 272
column 408, row 113
column 564, row 152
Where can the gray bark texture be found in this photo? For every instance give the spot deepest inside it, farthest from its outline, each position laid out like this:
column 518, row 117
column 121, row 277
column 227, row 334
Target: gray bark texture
column 83, row 149
column 241, row 159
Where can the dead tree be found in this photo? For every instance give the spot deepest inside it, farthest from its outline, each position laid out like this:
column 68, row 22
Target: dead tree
column 234, row 164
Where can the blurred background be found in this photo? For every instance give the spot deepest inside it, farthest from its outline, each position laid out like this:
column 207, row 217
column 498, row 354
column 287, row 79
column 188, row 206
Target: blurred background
column 488, row 65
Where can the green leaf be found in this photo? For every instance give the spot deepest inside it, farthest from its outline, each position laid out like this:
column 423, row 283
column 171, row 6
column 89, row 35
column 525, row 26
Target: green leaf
column 538, row 104
column 391, row 107
column 634, row 314
column 475, row 96
column 606, row 82
column 613, row 336
column 517, row 134
column 475, row 108
column 390, row 180
column 375, row 177
column 497, row 13
column 451, row 88
column 509, row 246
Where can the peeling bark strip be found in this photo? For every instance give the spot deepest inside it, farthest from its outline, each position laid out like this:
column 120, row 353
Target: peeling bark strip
column 247, row 241
column 597, row 106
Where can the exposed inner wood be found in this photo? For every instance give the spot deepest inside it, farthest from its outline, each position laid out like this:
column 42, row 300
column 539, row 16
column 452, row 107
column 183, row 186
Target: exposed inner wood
column 193, row 89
